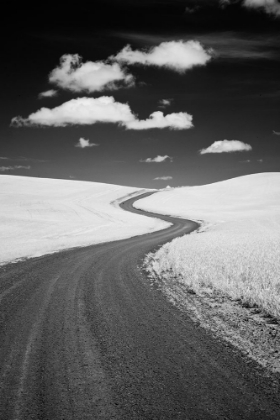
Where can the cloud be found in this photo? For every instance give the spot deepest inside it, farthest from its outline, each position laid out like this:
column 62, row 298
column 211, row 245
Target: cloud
column 249, row 161
column 13, row 168
column 47, row 94
column 225, row 3
column 163, row 103
column 163, row 178
column 234, row 45
column 192, row 9
column 88, row 111
column 22, row 159
column 72, row 74
column 226, row 44
column 82, row 143
column 226, row 146
column 179, row 55
column 277, row 133
column 157, row 159
column 175, row 121
column 271, row 7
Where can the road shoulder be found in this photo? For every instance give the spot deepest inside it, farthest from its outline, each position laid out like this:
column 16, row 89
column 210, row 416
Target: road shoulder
column 246, row 329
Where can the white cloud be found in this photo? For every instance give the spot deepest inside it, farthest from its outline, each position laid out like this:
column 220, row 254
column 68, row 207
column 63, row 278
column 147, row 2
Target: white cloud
column 174, row 55
column 47, row 94
column 80, row 111
column 88, row 111
column 175, row 121
column 13, row 168
column 157, row 159
column 21, row 159
column 226, row 146
column 163, row 178
column 82, row 143
column 271, row 7
column 163, row 103
column 277, row 133
column 192, row 9
column 91, row 76
column 225, row 3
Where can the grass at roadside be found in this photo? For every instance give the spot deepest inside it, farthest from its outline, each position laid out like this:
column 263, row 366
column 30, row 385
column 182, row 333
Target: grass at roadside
column 243, row 266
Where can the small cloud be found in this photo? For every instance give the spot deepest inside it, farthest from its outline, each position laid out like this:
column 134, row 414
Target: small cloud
column 88, row 111
column 47, row 94
column 225, row 3
column 192, row 9
column 72, row 74
column 249, row 161
column 277, row 133
column 82, row 143
column 157, row 159
column 163, row 178
column 13, row 168
column 174, row 121
column 163, row 103
column 22, row 159
column 226, row 146
column 178, row 56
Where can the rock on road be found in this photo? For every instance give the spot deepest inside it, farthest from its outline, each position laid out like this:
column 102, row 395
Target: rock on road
column 84, row 336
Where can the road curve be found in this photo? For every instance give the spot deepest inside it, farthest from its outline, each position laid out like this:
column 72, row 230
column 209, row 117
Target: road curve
column 84, row 336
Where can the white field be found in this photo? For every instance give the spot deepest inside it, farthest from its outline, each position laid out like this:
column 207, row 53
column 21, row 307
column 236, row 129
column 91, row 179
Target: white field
column 237, row 251
column 40, row 216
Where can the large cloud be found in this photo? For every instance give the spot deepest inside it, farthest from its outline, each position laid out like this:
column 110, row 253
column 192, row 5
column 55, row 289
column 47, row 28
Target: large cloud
column 88, row 111
column 174, row 55
column 91, row 76
column 226, row 146
column 80, row 111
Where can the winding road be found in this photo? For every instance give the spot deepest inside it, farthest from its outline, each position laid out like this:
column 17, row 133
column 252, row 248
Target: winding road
column 84, row 336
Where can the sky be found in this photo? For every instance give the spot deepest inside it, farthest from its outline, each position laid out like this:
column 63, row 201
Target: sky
column 143, row 93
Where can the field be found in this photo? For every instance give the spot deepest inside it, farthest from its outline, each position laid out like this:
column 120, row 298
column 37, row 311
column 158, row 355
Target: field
column 236, row 252
column 39, row 216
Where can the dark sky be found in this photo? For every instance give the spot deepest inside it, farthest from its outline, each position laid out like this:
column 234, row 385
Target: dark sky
column 234, row 96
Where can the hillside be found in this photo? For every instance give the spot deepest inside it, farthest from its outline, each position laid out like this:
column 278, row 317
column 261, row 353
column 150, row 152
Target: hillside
column 39, row 216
